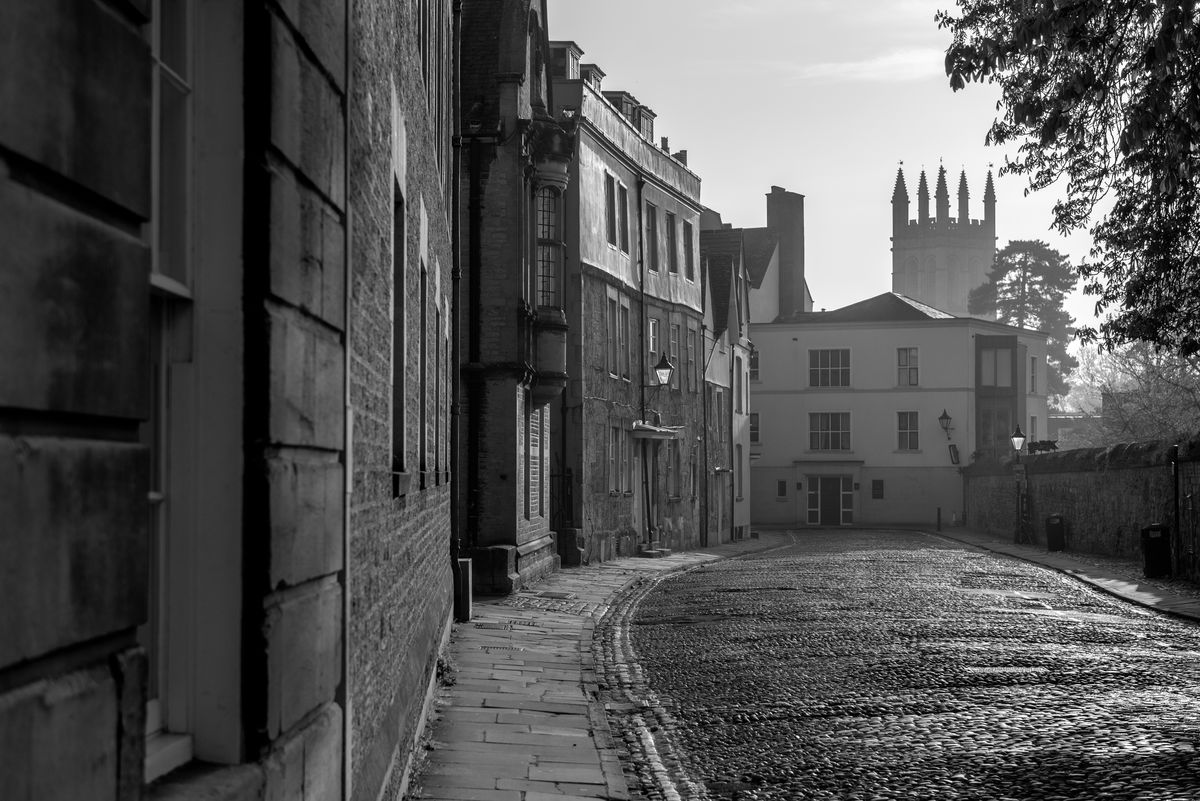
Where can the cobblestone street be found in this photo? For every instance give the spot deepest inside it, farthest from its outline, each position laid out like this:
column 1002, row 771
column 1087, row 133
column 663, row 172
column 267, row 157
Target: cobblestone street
column 881, row 665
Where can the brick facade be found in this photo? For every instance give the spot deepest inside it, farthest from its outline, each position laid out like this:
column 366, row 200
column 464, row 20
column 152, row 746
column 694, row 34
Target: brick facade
column 400, row 576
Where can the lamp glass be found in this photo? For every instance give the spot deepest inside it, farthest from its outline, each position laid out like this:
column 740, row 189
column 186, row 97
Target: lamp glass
column 944, row 420
column 1018, row 438
column 663, row 370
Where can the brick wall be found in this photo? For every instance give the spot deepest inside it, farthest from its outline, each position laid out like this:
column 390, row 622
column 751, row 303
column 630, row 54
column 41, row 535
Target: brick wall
column 400, row 546
column 1106, row 495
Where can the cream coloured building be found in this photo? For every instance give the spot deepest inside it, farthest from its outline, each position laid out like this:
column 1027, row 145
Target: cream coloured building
column 845, row 409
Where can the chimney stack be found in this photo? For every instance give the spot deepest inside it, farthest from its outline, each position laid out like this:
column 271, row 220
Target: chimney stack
column 785, row 219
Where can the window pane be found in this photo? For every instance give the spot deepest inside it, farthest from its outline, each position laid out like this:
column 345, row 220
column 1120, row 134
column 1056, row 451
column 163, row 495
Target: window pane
column 623, row 217
column 610, row 209
column 1004, row 368
column 173, row 181
column 987, row 368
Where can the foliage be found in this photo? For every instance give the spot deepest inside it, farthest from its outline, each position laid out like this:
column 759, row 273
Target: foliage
column 1026, row 287
column 1136, row 393
column 1106, row 95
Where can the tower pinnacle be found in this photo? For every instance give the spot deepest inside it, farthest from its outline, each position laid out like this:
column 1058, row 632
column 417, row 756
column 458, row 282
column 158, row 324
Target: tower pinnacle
column 942, row 196
column 922, row 200
column 964, row 212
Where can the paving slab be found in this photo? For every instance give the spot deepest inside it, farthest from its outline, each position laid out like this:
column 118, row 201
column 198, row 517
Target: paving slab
column 523, row 721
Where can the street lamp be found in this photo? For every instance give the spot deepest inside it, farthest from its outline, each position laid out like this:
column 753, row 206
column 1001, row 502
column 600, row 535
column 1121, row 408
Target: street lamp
column 1018, row 441
column 944, row 421
column 1023, row 534
column 662, row 372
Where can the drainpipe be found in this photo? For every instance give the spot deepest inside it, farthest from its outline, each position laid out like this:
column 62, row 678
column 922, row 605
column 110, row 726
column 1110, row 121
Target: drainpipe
column 455, row 283
column 641, row 183
column 704, row 519
column 733, row 473
column 348, row 420
column 474, row 268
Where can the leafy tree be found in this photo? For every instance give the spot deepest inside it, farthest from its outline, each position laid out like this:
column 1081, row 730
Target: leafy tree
column 1026, row 287
column 1134, row 393
column 1106, row 95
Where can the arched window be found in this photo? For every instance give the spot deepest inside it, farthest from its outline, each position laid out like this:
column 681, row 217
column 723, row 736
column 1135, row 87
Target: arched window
column 549, row 247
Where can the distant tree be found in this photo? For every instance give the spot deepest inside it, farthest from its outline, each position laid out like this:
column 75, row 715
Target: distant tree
column 1136, row 393
column 1104, row 94
column 1026, row 288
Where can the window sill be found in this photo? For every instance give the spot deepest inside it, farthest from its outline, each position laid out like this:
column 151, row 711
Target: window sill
column 908, row 451
column 165, row 752
column 401, row 484
column 200, row 780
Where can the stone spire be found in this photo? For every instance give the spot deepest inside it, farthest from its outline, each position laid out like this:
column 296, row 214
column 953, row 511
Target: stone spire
column 899, row 204
column 964, row 211
column 922, row 200
column 989, row 203
column 942, row 196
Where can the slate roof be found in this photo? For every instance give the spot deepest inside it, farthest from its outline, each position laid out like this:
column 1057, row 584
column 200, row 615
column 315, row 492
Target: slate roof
column 759, row 245
column 888, row 307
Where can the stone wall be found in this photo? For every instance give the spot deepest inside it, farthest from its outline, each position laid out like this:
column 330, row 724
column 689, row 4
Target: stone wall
column 74, row 193
column 1106, row 495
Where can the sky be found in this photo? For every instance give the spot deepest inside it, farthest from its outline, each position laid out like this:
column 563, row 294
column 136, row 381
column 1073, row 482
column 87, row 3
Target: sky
column 822, row 97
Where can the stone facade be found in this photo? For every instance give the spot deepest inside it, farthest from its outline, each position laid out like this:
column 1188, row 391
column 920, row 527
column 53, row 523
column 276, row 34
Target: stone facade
column 1105, row 495
column 628, row 451
column 938, row 259
column 231, row 528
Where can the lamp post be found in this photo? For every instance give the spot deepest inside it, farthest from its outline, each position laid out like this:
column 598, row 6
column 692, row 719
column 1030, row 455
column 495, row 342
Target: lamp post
column 662, row 377
column 1022, row 532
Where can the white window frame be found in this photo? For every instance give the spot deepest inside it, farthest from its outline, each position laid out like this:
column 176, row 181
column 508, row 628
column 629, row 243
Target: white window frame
column 908, row 431
column 822, row 376
column 168, row 640
column 822, row 424
column 755, row 432
column 908, row 367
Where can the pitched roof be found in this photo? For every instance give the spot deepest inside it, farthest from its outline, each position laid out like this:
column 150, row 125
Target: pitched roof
column 888, row 307
column 759, row 246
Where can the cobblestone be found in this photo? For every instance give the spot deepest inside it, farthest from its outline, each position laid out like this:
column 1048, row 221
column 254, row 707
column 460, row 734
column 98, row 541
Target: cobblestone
column 887, row 665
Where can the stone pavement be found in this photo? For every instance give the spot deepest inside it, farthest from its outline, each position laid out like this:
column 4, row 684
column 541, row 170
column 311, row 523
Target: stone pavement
column 1120, row 577
column 523, row 720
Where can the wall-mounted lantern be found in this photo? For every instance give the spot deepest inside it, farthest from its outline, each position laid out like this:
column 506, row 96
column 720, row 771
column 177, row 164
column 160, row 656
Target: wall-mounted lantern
column 944, row 422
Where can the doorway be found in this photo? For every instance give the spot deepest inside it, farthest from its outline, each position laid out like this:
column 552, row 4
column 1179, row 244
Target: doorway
column 830, row 500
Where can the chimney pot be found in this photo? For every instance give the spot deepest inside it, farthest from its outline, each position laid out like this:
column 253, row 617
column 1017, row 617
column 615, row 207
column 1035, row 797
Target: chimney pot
column 665, row 145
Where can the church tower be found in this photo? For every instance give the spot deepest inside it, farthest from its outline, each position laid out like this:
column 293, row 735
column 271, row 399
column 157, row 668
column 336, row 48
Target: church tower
column 939, row 259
